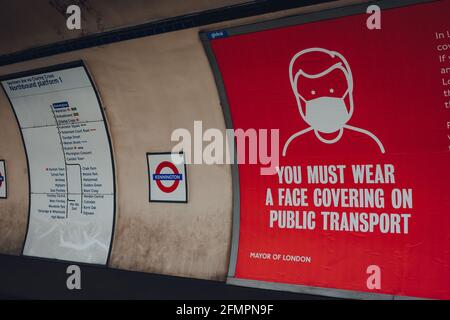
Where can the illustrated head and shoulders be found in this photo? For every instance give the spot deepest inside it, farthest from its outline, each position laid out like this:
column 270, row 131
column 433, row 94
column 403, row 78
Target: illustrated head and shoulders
column 322, row 83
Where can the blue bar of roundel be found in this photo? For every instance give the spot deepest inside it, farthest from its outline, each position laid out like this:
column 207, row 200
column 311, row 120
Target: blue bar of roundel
column 167, row 176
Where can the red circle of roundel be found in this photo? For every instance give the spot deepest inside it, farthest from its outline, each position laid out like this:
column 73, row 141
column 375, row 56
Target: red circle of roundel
column 170, row 165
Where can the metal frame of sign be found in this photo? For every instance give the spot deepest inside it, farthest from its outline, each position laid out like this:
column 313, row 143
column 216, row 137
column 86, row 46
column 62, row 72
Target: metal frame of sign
column 6, row 182
column 58, row 67
column 206, row 36
column 149, row 178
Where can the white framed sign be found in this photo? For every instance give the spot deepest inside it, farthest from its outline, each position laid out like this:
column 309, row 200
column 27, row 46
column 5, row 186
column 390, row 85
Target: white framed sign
column 167, row 177
column 70, row 163
column 3, row 182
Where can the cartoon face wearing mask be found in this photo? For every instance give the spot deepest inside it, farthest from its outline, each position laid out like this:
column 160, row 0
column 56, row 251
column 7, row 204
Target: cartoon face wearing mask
column 324, row 114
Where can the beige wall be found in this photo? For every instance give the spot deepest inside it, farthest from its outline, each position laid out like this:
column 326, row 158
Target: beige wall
column 149, row 87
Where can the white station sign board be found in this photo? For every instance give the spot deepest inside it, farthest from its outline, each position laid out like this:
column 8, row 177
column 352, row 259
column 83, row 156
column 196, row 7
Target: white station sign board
column 3, row 193
column 167, row 175
column 71, row 172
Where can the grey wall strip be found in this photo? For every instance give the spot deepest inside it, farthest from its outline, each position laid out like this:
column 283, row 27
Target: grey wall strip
column 234, row 167
column 335, row 293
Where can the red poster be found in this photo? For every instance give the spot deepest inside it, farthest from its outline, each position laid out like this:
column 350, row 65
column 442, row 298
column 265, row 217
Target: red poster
column 361, row 198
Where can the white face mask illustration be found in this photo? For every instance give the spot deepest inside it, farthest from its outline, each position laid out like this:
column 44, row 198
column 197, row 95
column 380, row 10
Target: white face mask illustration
column 323, row 114
column 326, row 114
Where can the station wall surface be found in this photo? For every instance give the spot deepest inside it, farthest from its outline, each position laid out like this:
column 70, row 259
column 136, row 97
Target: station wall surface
column 47, row 19
column 149, row 87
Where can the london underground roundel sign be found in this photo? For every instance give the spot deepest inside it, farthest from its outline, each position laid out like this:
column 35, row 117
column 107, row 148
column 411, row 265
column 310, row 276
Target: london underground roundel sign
column 167, row 177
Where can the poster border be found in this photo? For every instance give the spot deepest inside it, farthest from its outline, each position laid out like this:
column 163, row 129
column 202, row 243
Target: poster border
column 6, row 179
column 149, row 177
column 297, row 19
column 53, row 68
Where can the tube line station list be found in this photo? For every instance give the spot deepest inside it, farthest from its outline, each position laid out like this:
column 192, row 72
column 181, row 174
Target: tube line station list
column 70, row 164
